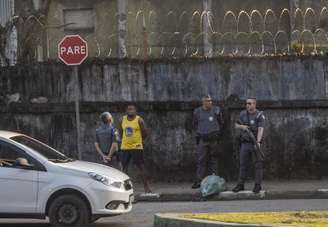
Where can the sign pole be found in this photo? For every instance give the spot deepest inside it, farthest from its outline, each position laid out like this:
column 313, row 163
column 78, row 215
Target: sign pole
column 73, row 50
column 77, row 110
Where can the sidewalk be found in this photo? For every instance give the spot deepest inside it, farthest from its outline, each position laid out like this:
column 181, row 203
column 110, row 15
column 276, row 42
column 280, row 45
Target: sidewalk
column 284, row 189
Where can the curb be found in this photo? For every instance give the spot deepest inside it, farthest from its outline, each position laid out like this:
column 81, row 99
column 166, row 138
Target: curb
column 169, row 220
column 231, row 196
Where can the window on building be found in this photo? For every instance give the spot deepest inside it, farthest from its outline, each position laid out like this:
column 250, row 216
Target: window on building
column 79, row 20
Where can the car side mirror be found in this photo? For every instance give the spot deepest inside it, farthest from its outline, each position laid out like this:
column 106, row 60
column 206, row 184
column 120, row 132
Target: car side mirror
column 23, row 163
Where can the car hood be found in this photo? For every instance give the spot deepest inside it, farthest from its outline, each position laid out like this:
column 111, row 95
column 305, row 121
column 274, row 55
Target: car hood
column 86, row 167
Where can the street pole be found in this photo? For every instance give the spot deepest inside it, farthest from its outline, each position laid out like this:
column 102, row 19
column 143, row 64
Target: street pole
column 207, row 41
column 77, row 110
column 122, row 28
column 73, row 50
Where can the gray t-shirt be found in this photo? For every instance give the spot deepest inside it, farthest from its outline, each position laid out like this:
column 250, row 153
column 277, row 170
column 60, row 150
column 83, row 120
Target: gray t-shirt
column 105, row 136
column 207, row 121
column 253, row 120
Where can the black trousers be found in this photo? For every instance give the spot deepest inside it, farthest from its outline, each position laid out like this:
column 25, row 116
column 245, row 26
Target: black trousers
column 246, row 154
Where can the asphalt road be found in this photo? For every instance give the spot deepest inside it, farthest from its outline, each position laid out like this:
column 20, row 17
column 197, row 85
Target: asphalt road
column 143, row 213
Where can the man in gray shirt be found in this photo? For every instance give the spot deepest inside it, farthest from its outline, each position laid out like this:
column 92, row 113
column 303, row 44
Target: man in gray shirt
column 207, row 122
column 254, row 120
column 107, row 141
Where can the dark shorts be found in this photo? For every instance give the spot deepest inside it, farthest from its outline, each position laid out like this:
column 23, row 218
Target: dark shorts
column 135, row 155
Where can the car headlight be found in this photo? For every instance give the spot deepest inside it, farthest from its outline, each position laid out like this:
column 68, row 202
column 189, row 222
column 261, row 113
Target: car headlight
column 116, row 184
column 105, row 180
column 99, row 178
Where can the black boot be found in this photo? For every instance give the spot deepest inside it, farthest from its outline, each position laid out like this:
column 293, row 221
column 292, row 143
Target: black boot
column 195, row 185
column 238, row 188
column 257, row 188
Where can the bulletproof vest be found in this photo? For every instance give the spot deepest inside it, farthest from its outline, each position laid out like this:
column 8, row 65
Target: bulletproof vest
column 208, row 120
column 253, row 126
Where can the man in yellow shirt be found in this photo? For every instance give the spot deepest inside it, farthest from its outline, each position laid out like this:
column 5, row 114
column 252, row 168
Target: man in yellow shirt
column 133, row 132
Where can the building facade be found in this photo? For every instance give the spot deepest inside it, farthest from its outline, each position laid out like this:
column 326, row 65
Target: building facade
column 147, row 29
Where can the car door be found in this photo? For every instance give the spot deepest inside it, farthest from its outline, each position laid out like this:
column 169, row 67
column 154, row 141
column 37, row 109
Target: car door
column 18, row 186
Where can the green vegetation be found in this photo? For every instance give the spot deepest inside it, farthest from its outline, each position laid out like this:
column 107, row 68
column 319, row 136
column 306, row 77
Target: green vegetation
column 290, row 219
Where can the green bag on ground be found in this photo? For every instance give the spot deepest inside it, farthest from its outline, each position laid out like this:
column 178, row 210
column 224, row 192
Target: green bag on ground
column 212, row 185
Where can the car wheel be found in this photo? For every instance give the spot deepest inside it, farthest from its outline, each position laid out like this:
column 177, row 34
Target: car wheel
column 68, row 211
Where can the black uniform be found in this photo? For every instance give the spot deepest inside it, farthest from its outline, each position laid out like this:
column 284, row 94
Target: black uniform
column 247, row 149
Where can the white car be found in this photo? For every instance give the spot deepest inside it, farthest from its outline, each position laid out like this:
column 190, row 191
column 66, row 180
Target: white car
column 36, row 181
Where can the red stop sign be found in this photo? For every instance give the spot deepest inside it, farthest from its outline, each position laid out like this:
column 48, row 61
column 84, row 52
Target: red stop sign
column 72, row 50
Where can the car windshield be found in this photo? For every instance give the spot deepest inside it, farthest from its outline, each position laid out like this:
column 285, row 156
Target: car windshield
column 46, row 151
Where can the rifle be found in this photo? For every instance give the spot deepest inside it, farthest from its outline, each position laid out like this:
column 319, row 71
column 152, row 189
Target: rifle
column 258, row 150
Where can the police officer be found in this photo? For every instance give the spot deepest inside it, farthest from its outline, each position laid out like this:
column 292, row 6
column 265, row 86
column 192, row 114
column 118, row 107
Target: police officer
column 107, row 139
column 207, row 122
column 254, row 120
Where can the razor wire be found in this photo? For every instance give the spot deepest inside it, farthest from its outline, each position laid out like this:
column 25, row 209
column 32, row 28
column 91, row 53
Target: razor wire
column 183, row 34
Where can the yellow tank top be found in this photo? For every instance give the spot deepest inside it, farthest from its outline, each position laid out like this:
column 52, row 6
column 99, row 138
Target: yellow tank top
column 131, row 138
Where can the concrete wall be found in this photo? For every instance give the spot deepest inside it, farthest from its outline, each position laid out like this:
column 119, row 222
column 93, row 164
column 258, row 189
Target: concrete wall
column 281, row 78
column 293, row 93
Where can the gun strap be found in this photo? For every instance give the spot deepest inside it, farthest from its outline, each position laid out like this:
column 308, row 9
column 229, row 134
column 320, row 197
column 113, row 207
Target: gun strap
column 259, row 115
